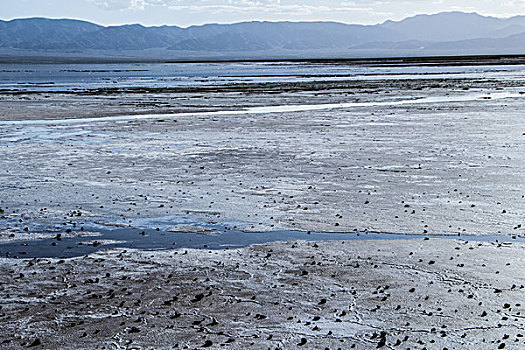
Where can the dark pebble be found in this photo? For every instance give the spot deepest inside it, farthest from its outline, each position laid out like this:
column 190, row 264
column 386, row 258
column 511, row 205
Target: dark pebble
column 35, row 342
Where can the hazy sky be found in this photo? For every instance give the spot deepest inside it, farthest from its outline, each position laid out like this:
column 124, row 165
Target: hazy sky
column 188, row 12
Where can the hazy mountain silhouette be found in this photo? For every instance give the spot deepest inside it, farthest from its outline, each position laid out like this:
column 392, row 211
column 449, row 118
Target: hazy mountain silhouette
column 42, row 33
column 285, row 35
column 454, row 26
column 512, row 44
column 443, row 33
column 127, row 37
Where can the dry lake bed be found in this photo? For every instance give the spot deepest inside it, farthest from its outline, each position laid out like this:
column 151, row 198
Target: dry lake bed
column 263, row 205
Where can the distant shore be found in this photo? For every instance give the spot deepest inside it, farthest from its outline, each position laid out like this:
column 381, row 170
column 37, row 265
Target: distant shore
column 452, row 59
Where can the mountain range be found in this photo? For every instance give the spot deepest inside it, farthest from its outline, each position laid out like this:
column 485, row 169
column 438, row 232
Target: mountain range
column 447, row 33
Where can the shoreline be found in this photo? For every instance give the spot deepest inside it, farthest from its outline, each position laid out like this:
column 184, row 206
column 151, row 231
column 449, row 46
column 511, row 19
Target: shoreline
column 508, row 59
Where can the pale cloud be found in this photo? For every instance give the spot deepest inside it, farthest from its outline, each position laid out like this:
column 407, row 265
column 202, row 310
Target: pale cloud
column 294, row 8
column 114, row 5
column 141, row 4
column 189, row 12
column 514, row 6
column 273, row 7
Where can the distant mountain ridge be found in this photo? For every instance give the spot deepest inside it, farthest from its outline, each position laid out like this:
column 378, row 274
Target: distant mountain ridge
column 285, row 35
column 42, row 33
column 455, row 26
column 445, row 33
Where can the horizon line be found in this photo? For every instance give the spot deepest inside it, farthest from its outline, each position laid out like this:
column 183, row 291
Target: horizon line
column 254, row 21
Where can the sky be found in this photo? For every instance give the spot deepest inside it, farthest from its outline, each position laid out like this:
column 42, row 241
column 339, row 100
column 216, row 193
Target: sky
column 194, row 12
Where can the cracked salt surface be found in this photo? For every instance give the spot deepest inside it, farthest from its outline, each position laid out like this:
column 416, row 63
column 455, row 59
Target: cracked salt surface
column 321, row 295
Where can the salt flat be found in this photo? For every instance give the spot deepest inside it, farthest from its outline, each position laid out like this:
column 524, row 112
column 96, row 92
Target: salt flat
column 451, row 163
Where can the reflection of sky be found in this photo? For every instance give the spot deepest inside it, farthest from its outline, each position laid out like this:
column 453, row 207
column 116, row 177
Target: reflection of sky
column 69, row 77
